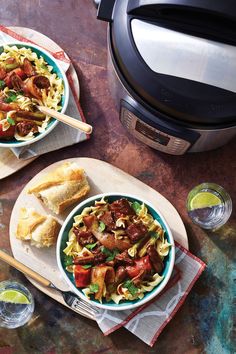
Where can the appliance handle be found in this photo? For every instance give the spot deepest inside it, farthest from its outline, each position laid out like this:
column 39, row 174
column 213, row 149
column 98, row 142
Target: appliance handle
column 105, row 10
column 222, row 8
column 215, row 20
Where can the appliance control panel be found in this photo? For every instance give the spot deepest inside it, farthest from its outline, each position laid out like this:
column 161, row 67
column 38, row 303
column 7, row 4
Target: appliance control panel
column 152, row 136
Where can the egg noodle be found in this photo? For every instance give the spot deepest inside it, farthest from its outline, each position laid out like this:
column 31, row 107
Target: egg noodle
column 137, row 250
column 51, row 97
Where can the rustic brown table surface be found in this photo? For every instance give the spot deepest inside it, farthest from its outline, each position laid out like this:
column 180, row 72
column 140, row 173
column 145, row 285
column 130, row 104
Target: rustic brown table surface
column 204, row 324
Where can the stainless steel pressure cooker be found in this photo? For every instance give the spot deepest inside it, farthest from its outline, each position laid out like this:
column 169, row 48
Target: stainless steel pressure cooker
column 172, row 69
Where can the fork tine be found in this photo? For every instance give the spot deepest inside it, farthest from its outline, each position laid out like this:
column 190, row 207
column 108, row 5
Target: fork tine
column 83, row 311
column 84, row 304
column 75, row 302
column 78, row 305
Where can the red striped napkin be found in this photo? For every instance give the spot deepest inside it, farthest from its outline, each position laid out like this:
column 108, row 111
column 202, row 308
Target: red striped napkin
column 149, row 320
column 62, row 135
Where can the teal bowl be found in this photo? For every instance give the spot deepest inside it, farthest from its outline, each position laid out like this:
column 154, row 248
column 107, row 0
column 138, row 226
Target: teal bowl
column 123, row 305
column 57, row 69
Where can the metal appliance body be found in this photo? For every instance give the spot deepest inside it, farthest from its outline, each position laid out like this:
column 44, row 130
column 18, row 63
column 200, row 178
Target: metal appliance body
column 171, row 139
column 153, row 122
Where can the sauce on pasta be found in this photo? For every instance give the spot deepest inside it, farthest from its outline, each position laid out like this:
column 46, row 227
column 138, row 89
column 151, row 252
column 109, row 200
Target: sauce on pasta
column 116, row 251
column 26, row 81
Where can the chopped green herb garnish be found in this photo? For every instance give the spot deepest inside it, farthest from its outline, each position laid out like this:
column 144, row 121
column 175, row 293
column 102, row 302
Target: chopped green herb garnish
column 136, row 206
column 91, row 246
column 102, row 226
column 11, row 121
column 87, row 266
column 110, row 258
column 68, row 260
column 105, row 251
column 110, row 254
column 2, row 84
column 11, row 97
column 131, row 287
column 94, row 288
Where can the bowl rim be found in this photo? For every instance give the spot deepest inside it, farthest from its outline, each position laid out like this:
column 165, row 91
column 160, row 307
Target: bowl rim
column 66, row 96
column 115, row 307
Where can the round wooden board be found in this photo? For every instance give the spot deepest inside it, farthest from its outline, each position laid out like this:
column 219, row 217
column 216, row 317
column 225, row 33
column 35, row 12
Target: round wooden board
column 102, row 178
column 9, row 163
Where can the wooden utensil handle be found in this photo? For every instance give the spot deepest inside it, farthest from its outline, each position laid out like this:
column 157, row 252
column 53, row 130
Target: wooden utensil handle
column 75, row 123
column 24, row 269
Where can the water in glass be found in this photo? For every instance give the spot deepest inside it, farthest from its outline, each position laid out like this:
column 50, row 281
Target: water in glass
column 209, row 205
column 16, row 304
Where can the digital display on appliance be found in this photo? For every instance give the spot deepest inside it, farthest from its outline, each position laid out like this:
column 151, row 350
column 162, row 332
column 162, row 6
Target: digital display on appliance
column 151, row 134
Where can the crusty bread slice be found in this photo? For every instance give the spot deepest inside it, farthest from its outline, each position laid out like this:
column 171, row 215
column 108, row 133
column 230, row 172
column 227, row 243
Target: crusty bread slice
column 62, row 187
column 40, row 230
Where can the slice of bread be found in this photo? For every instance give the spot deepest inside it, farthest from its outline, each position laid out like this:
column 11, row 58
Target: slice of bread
column 62, row 187
column 40, row 230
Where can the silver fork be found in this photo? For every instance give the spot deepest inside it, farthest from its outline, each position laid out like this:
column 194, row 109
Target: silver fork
column 74, row 302
column 77, row 304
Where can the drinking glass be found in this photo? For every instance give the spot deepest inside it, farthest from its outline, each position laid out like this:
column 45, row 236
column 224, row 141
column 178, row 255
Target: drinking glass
column 16, row 304
column 209, row 205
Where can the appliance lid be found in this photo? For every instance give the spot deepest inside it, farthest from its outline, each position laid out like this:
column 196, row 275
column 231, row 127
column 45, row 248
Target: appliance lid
column 178, row 56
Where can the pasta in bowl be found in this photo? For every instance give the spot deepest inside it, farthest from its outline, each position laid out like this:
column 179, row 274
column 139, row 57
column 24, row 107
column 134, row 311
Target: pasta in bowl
column 29, row 76
column 115, row 251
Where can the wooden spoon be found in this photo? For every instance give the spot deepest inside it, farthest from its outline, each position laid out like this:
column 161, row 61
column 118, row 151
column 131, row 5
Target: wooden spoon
column 74, row 123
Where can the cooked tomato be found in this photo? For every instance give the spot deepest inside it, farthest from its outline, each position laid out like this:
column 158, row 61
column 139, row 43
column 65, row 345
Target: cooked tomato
column 3, row 73
column 82, row 276
column 19, row 72
column 140, row 264
column 9, row 133
column 88, row 221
